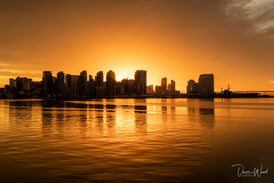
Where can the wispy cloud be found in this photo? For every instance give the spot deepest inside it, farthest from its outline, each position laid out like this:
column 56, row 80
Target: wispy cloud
column 271, row 81
column 258, row 13
column 11, row 70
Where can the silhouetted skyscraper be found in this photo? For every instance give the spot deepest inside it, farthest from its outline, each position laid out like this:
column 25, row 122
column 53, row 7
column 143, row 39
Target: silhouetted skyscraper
column 91, row 87
column 75, row 85
column 23, row 84
column 83, row 83
column 172, row 85
column 150, row 89
column 47, row 83
column 99, row 79
column 110, row 84
column 192, row 86
column 164, row 84
column 206, row 84
column 99, row 85
column 60, row 83
column 140, row 82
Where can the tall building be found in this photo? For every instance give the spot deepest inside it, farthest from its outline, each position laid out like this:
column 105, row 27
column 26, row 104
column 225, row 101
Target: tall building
column 172, row 87
column 99, row 85
column 60, row 83
column 127, row 86
column 164, row 84
column 68, row 86
column 140, row 78
column 83, row 83
column 75, row 85
column 91, row 87
column 110, row 84
column 206, row 84
column 12, row 82
column 23, row 84
column 150, row 89
column 48, row 83
column 99, row 79
column 191, row 87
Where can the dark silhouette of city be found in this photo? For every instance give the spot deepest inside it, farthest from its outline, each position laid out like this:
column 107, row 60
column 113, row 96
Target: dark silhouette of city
column 84, row 86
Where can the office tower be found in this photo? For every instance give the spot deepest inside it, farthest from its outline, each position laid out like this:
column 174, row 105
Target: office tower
column 91, row 87
column 172, row 85
column 68, row 86
column 23, row 84
column 191, row 87
column 12, row 82
column 75, row 85
column 164, row 84
column 110, row 84
column 47, row 83
column 150, row 89
column 127, row 86
column 158, row 90
column 99, row 85
column 206, row 84
column 60, row 83
column 99, row 79
column 83, row 83
column 140, row 82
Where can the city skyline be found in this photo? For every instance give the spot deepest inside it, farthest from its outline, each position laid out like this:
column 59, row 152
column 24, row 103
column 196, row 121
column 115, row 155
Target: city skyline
column 179, row 38
column 85, row 86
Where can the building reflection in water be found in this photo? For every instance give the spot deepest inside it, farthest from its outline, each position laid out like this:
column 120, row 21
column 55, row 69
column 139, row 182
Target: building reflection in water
column 60, row 119
column 98, row 122
column 140, row 117
column 204, row 108
column 110, row 118
column 47, row 117
column 20, row 113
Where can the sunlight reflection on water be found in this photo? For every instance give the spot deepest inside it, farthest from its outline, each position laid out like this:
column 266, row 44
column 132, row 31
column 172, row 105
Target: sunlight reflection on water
column 116, row 139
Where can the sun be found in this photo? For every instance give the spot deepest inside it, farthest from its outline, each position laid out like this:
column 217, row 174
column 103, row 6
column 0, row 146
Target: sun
column 124, row 74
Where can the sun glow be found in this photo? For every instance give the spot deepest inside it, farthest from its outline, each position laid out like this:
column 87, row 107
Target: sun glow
column 124, row 74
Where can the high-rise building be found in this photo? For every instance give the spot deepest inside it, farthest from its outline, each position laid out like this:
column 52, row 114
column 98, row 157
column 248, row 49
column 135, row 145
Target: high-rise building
column 172, row 85
column 127, row 86
column 99, row 85
column 140, row 82
column 91, row 86
column 75, row 85
column 191, row 87
column 68, row 86
column 99, row 79
column 60, row 83
column 164, row 84
column 150, row 89
column 23, row 84
column 83, row 83
column 110, row 84
column 206, row 84
column 12, row 82
column 47, row 83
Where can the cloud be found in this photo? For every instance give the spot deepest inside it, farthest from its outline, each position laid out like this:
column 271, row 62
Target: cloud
column 271, row 81
column 258, row 13
column 11, row 71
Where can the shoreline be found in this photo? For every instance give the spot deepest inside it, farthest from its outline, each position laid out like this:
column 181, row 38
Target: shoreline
column 154, row 97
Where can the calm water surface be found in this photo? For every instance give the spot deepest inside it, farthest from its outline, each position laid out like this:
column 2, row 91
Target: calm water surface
column 139, row 140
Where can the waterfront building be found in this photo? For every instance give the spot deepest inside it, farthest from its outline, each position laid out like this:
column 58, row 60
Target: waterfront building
column 110, row 84
column 60, row 83
column 47, row 83
column 206, row 84
column 140, row 78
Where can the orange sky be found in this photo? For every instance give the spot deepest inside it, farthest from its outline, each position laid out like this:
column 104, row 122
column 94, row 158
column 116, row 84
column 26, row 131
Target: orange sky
column 168, row 38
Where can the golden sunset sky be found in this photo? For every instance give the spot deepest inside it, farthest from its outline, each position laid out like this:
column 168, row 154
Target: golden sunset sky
column 176, row 39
